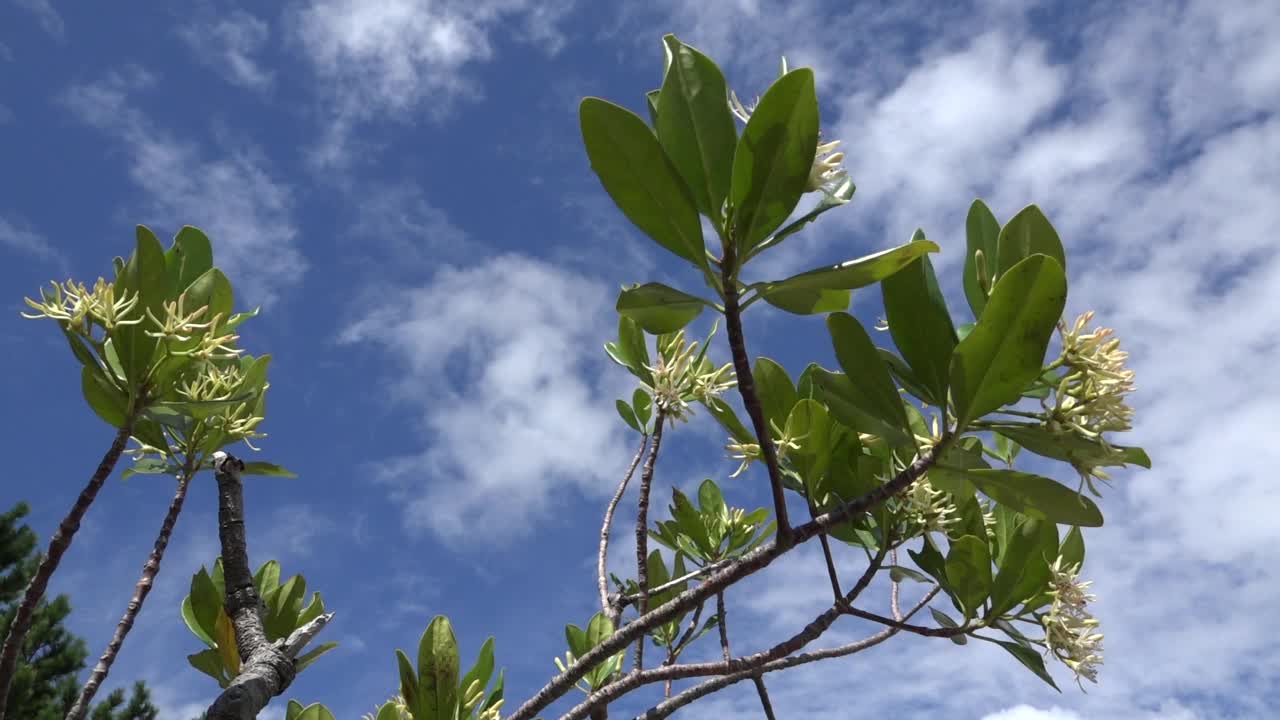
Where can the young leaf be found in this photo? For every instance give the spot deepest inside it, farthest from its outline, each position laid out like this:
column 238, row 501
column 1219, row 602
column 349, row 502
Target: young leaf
column 696, row 126
column 658, row 308
column 267, row 469
column 313, row 654
column 189, row 258
column 144, row 276
column 641, row 179
column 777, row 394
column 224, row 634
column 920, row 322
column 945, row 621
column 1072, row 549
column 773, row 158
column 1037, row 497
column 981, row 233
column 106, row 401
column 1028, row 233
column 438, row 671
column 642, row 404
column 1024, row 572
column 209, row 663
column 482, row 671
column 1004, row 353
column 833, row 198
column 628, row 415
column 854, row 274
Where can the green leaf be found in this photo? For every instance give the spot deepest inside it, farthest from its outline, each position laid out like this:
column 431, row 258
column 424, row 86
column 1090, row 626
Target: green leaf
column 211, row 289
column 189, row 617
column 804, row 301
column 1037, row 497
column 931, row 561
column 854, row 274
column 210, row 663
column 190, row 257
column 641, row 179
column 1004, row 353
column 150, row 466
column 898, row 573
column 945, row 621
column 1072, row 549
column 1028, row 233
column 267, row 577
column 849, row 406
column 651, row 102
column 642, row 404
column 408, row 681
column 438, row 671
column 1024, row 571
column 658, row 308
column 906, row 377
column 837, row 196
column 871, row 386
column 494, row 696
column 728, row 419
column 79, row 348
column 773, row 157
column 1072, row 448
column 710, row 498
column 144, row 276
column 267, row 469
column 1030, row 659
column 313, row 654
column 920, row 322
column 696, row 127
column 106, row 401
column 969, row 573
column 206, row 605
column 776, row 393
column 628, row 415
column 982, row 231
column 482, row 671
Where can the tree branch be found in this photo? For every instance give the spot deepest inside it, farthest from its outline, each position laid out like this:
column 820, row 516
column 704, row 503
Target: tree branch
column 58, row 545
column 747, row 388
column 150, row 569
column 917, row 629
column 642, row 527
column 761, row 690
column 669, row 706
column 748, row 564
column 608, row 608
column 266, row 668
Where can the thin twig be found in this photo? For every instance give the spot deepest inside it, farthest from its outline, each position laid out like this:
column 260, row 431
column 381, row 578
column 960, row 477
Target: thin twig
column 642, row 528
column 625, row 600
column 150, row 569
column 747, row 388
column 748, row 564
column 610, row 611
column 917, row 629
column 836, row 593
column 58, row 545
column 761, row 690
column 669, row 706
column 678, row 646
column 894, row 588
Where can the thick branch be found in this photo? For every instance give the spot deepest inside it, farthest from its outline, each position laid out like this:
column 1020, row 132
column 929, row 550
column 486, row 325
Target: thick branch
column 266, row 668
column 669, row 706
column 58, row 545
column 747, row 388
column 150, row 570
column 748, row 564
column 642, row 527
column 612, row 612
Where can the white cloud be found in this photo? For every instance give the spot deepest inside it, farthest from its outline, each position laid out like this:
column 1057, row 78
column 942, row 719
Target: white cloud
column 21, row 238
column 228, row 45
column 377, row 58
column 49, row 19
column 503, row 360
column 400, row 231
column 232, row 197
column 1026, row 712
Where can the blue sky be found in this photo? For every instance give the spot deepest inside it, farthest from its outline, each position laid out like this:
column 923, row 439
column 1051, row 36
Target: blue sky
column 401, row 186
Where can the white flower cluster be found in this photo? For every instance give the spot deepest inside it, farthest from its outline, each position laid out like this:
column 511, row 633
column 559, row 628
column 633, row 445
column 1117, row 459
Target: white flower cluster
column 681, row 374
column 1069, row 627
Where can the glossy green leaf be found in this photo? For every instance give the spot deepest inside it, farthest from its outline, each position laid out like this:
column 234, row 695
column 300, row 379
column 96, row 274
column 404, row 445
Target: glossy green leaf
column 145, row 277
column 189, row 258
column 210, row 663
column 1072, row 548
column 658, row 308
column 313, row 654
column 898, row 573
column 651, row 102
column 773, row 157
column 106, row 401
column 849, row 405
column 1024, row 571
column 696, row 127
column 482, row 670
column 906, row 377
column 267, row 576
column 920, row 322
column 806, row 301
column 982, row 231
column 932, row 562
column 1038, row 497
column 408, row 681
column 710, row 498
column 641, row 179
column 438, row 671
column 728, row 419
column 854, row 274
column 968, row 571
column 80, row 348
column 776, row 393
column 945, row 621
column 1028, row 233
column 1030, row 659
column 1072, row 448
column 206, row 605
column 151, row 466
column 211, row 289
column 189, row 617
column 642, row 405
column 314, row 711
column 871, row 386
column 267, row 469
column 841, row 194
column 1004, row 353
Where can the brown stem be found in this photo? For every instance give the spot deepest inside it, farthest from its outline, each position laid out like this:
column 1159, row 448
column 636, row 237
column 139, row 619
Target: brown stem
column 611, row 610
column 149, row 572
column 917, row 629
column 266, row 668
column 669, row 706
column 748, row 564
column 642, row 529
column 830, row 559
column 761, row 690
column 747, row 388
column 57, row 547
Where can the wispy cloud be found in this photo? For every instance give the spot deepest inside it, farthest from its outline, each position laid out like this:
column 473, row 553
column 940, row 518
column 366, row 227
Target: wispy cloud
column 49, row 19
column 232, row 196
column 229, row 45
column 376, row 58
column 500, row 361
column 20, row 237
